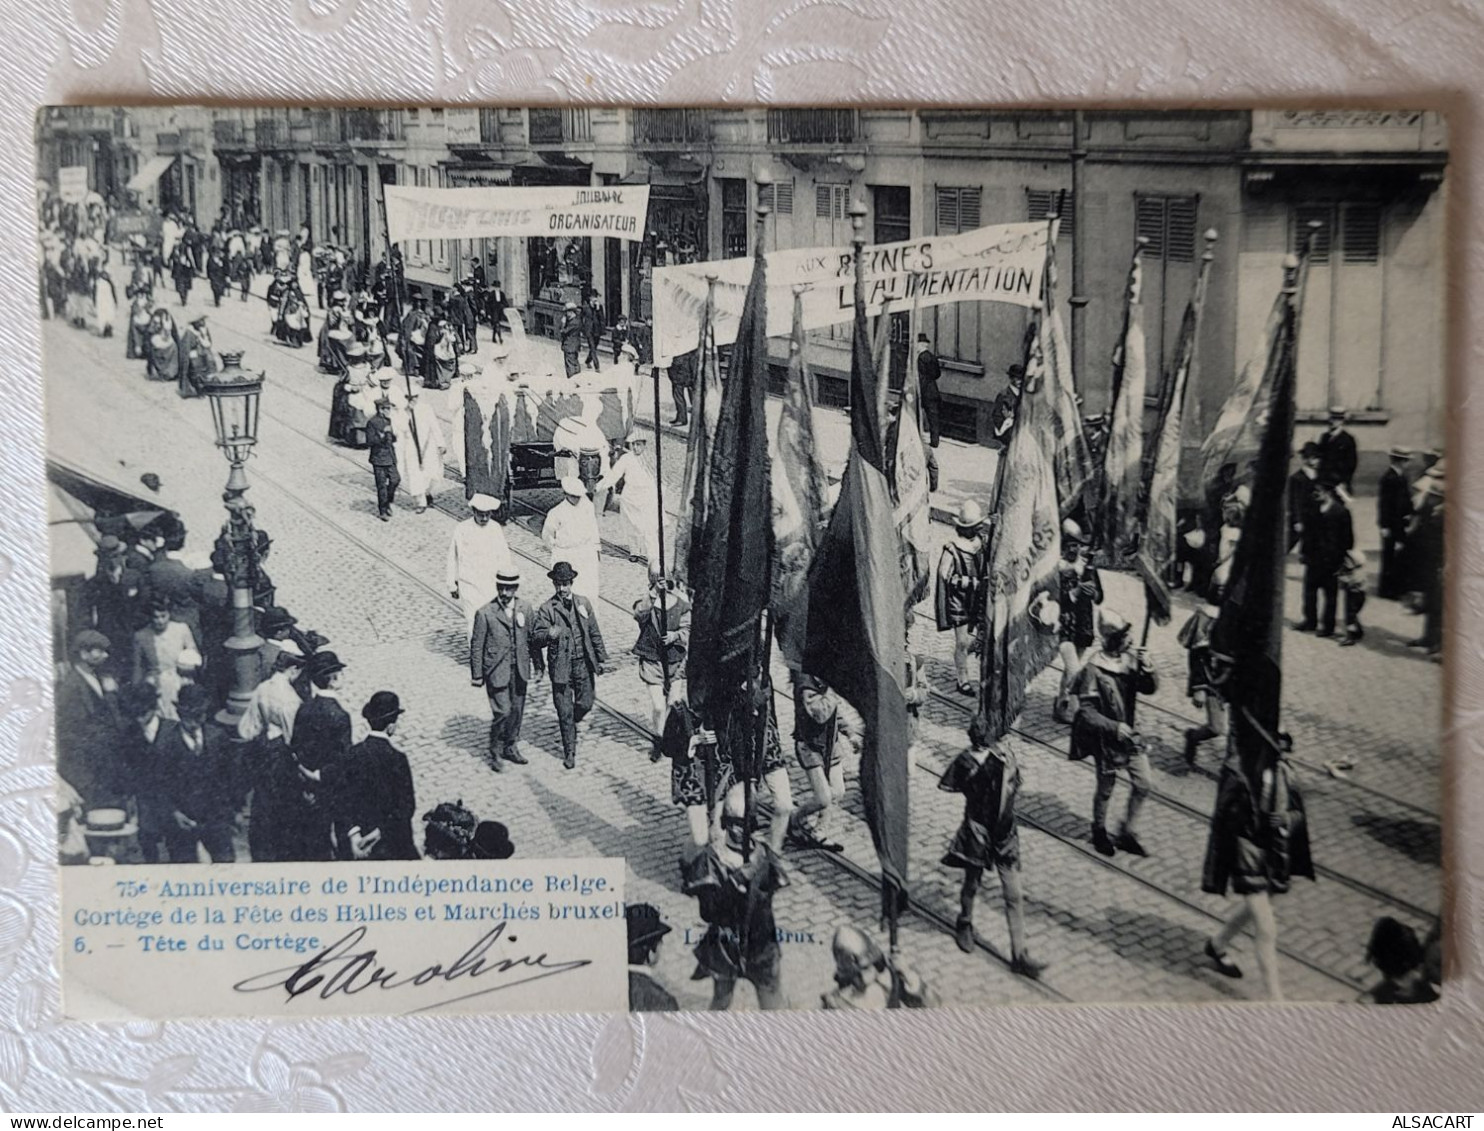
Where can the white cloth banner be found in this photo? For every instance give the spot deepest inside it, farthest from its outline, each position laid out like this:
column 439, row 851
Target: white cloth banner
column 72, row 183
column 616, row 211
column 999, row 263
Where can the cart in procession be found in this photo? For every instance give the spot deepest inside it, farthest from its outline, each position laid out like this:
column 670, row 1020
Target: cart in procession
column 519, row 431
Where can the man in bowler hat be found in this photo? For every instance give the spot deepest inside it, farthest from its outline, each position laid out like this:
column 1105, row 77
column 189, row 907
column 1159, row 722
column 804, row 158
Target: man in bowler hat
column 321, row 746
column 567, row 628
column 374, row 800
column 502, row 656
column 646, row 932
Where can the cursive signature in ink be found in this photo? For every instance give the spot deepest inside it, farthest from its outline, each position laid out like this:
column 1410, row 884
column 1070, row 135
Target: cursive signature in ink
column 345, row 967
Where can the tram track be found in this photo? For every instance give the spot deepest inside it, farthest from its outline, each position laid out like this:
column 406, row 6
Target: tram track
column 642, row 729
column 626, row 719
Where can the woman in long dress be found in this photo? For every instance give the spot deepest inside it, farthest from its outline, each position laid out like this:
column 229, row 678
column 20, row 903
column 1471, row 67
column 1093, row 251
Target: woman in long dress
column 163, row 359
column 105, row 299
column 440, row 356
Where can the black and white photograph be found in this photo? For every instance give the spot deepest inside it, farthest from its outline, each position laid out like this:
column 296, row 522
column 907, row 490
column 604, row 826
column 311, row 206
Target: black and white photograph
column 950, row 556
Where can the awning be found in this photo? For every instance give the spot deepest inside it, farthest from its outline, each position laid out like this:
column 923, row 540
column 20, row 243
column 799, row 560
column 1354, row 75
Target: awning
column 82, row 505
column 150, row 172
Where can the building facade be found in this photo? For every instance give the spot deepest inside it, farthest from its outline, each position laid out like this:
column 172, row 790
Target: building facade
column 1369, row 184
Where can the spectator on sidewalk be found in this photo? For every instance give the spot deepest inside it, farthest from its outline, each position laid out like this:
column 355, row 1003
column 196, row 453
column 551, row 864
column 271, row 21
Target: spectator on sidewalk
column 593, row 324
column 1393, row 512
column 570, row 335
column 1337, row 454
column 1353, row 591
column 1425, row 551
column 646, row 932
column 929, row 369
column 1328, row 536
column 374, row 800
column 1303, row 487
column 1006, row 405
column 682, row 383
column 198, row 783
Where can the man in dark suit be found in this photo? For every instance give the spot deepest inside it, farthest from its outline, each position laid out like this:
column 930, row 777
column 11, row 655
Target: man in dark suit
column 321, row 747
column 374, row 800
column 502, row 656
column 198, row 783
column 593, row 325
column 87, row 723
column 567, row 628
column 682, row 383
column 1006, row 405
column 1328, row 536
column 176, row 582
column 1337, row 455
column 497, row 301
column 646, row 932
column 1393, row 512
column 110, row 600
column 1303, row 485
column 381, row 445
column 929, row 369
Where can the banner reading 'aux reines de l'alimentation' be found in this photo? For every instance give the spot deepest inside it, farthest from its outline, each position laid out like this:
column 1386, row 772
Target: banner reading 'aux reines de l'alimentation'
column 999, row 263
column 616, row 212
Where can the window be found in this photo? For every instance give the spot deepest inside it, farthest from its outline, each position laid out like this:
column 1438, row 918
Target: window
column 832, row 202
column 778, row 197
column 1041, row 204
column 733, row 217
column 1339, row 356
column 832, row 229
column 1171, row 225
column 957, row 325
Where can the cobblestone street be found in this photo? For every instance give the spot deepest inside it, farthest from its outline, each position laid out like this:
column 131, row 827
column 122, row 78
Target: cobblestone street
column 1120, row 929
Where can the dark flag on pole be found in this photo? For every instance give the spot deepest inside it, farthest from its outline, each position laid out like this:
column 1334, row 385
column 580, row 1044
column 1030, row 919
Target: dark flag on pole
column 731, row 564
column 1157, row 545
column 690, row 520
column 857, row 640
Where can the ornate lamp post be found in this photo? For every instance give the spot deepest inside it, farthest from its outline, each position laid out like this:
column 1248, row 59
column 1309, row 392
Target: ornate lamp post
column 234, row 392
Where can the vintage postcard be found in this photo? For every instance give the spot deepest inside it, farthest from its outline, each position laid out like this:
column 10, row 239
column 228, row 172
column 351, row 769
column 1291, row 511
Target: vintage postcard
column 551, row 559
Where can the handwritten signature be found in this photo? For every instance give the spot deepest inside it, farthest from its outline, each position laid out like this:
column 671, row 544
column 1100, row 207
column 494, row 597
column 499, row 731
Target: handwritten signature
column 343, row 968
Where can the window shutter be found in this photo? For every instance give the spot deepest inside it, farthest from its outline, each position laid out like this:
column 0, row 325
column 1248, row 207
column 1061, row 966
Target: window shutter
column 779, row 197
column 968, row 208
column 1303, row 215
column 1362, row 233
column 1180, row 234
column 947, row 212
column 823, row 201
column 1041, row 203
column 1149, row 222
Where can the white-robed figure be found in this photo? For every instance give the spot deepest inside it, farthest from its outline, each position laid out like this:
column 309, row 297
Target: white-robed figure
column 420, row 448
column 105, row 298
column 477, row 553
column 571, row 534
column 638, row 501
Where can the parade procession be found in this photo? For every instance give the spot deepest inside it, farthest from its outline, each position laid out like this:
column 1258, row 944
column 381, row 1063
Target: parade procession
column 957, row 601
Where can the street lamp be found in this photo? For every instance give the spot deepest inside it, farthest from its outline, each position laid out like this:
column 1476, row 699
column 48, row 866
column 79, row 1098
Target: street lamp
column 233, row 393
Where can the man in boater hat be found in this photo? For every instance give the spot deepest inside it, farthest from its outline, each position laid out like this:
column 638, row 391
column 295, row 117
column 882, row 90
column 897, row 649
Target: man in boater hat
column 502, row 656
column 477, row 553
column 567, row 627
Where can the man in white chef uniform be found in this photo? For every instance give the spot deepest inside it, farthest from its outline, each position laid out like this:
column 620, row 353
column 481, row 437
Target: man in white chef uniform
column 477, row 553
column 420, row 460
column 571, row 534
column 638, row 504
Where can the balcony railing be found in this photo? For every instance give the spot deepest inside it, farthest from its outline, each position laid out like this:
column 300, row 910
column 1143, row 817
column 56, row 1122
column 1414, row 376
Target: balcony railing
column 373, row 125
column 272, row 130
column 229, row 132
column 554, row 127
column 82, row 119
column 813, row 127
column 327, row 127
column 671, row 127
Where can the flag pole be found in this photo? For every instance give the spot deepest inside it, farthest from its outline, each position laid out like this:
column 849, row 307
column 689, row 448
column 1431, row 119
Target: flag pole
column 762, row 634
column 1177, row 390
column 399, row 282
column 889, row 890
